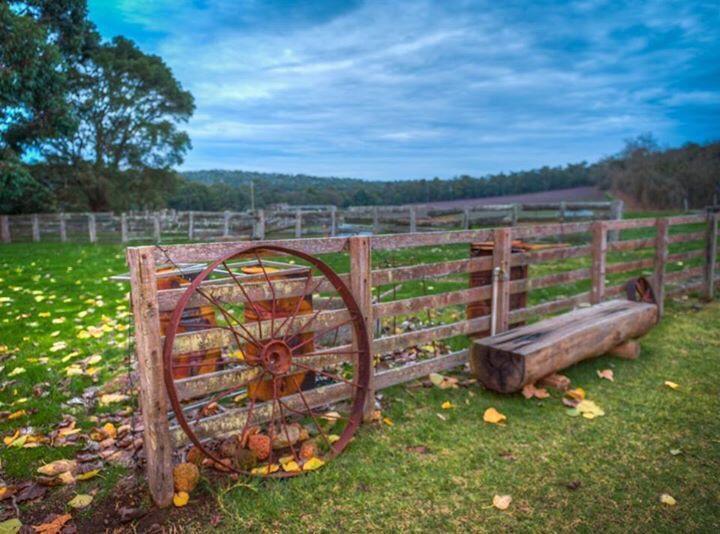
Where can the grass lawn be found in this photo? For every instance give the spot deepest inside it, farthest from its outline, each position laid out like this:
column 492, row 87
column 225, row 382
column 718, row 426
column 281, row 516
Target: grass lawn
column 423, row 472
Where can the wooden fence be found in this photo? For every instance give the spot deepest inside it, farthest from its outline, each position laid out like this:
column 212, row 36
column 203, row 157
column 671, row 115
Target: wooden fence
column 678, row 254
column 300, row 221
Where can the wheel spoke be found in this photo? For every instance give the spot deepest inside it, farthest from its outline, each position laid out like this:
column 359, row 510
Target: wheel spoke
column 239, row 283
column 272, row 291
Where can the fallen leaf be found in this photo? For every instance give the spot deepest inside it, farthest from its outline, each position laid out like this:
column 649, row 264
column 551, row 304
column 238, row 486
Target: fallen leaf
column 607, row 374
column 668, row 500
column 447, row 405
column 312, row 464
column 672, row 385
column 16, row 371
column 388, row 421
column 502, row 502
column 291, row 466
column 589, row 409
column 11, row 526
column 332, row 438
column 110, row 398
column 675, row 452
column 492, row 416
column 88, row 475
column 80, row 501
column 530, row 391
column 265, row 469
column 58, row 466
column 54, row 526
column 577, row 394
column 181, row 498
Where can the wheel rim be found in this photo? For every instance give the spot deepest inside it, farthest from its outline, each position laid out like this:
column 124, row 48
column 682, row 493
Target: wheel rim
column 286, row 348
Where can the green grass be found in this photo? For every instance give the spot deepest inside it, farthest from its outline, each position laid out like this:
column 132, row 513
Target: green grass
column 622, row 460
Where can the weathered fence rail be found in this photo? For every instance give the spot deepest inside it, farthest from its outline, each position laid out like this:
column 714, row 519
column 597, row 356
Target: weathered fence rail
column 679, row 254
column 297, row 222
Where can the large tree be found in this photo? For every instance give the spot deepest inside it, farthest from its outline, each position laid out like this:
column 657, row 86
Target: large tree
column 127, row 105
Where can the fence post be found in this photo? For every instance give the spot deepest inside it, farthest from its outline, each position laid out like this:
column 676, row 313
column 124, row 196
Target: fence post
column 616, row 214
column 156, row 228
column 63, row 228
column 226, row 224
column 563, row 211
column 413, row 219
column 333, row 221
column 92, row 228
column 502, row 250
column 298, row 224
column 360, row 249
column 35, row 227
column 5, row 229
column 153, row 401
column 259, row 225
column 191, row 225
column 661, row 254
column 123, row 228
column 599, row 253
column 710, row 254
column 376, row 221
column 466, row 219
column 515, row 215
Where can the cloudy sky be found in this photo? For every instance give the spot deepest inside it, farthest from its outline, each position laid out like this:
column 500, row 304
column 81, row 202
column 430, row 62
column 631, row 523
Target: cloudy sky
column 394, row 89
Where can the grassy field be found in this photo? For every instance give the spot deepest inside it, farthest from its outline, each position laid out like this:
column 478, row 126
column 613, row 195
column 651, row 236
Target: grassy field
column 59, row 314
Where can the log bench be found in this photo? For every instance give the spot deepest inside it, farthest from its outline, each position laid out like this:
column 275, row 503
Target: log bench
column 508, row 361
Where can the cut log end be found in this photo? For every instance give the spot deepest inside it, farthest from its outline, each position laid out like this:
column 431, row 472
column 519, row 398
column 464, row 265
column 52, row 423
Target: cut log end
column 629, row 350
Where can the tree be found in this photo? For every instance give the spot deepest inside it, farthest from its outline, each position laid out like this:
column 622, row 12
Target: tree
column 20, row 192
column 126, row 104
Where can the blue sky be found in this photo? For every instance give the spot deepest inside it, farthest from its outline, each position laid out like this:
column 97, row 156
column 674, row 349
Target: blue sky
column 394, row 89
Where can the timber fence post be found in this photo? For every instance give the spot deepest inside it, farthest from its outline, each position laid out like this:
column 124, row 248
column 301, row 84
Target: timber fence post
column 502, row 250
column 123, row 228
column 298, row 224
column 599, row 255
column 63, row 228
column 376, row 221
column 413, row 219
column 360, row 248
column 226, row 224
column 466, row 219
column 92, row 228
column 153, row 399
column 710, row 254
column 259, row 225
column 616, row 214
column 35, row 227
column 191, row 225
column 156, row 228
column 661, row 254
column 5, row 229
column 333, row 221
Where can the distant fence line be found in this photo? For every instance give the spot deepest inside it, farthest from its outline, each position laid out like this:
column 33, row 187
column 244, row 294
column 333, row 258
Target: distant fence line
column 290, row 221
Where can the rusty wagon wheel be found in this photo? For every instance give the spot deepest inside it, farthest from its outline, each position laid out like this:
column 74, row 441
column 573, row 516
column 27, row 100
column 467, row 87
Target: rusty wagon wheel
column 640, row 290
column 289, row 354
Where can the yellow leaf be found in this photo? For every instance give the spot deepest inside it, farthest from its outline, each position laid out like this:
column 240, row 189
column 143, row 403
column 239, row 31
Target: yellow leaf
column 291, row 466
column 312, row 464
column 66, row 478
column 16, row 371
column 577, row 394
column 447, row 405
column 265, row 469
column 55, row 468
column 92, row 360
column 607, row 374
column 668, row 500
column 671, row 385
column 80, row 501
column 332, row 438
column 491, row 415
column 88, row 475
column 180, row 499
column 388, row 421
column 502, row 502
column 16, row 415
column 11, row 526
column 589, row 409
column 110, row 429
column 110, row 398
column 8, row 440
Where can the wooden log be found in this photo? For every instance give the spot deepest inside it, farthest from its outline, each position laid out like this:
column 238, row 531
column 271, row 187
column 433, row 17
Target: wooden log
column 508, row 361
column 153, row 400
column 361, row 287
column 628, row 350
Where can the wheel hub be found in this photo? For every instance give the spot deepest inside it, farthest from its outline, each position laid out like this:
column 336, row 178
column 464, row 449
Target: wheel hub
column 276, row 357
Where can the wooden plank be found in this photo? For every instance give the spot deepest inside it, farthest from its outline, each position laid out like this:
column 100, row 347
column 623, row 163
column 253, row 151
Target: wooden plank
column 599, row 256
column 361, row 288
column 661, row 257
column 691, row 236
column 153, row 400
column 631, row 244
column 502, row 250
column 425, row 239
column 686, row 219
column 400, row 375
column 686, row 256
column 567, row 277
column 5, row 229
column 549, row 307
column 440, row 300
column 560, row 253
column 429, row 270
column 388, row 344
column 626, row 224
column 635, row 265
column 710, row 254
column 684, row 274
column 206, row 252
column 548, row 230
